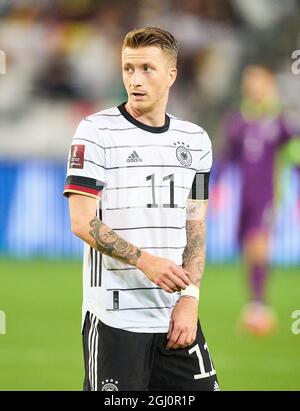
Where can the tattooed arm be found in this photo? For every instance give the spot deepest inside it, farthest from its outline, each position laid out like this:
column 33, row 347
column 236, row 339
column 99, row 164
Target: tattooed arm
column 183, row 325
column 193, row 258
column 163, row 272
column 110, row 243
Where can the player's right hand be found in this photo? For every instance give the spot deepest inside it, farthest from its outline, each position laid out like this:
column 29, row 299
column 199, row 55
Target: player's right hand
column 163, row 272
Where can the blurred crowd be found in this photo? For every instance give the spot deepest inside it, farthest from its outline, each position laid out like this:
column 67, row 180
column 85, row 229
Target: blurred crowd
column 63, row 61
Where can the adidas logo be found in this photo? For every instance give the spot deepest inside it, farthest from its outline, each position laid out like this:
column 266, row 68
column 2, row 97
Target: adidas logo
column 216, row 386
column 134, row 157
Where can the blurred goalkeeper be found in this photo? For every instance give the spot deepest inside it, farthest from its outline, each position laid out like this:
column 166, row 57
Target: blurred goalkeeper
column 254, row 136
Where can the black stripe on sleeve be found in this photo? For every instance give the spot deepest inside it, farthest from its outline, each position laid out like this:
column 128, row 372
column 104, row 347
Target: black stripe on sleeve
column 116, row 300
column 85, row 182
column 200, row 187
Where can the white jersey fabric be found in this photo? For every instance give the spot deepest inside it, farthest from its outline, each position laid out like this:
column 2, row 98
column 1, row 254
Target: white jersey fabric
column 143, row 176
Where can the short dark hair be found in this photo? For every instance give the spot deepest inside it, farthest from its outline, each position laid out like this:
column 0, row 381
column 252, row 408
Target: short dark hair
column 152, row 36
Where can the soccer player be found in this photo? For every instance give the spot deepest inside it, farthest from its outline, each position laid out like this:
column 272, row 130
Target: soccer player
column 137, row 184
column 253, row 136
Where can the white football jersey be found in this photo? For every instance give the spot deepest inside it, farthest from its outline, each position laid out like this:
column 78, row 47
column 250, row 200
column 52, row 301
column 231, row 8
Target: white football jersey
column 145, row 175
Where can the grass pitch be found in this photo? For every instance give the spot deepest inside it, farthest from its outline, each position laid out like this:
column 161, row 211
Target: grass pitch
column 41, row 349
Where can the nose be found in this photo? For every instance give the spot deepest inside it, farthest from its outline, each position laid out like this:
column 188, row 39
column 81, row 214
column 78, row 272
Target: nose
column 136, row 79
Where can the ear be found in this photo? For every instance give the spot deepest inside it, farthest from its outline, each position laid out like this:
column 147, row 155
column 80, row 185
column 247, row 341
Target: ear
column 172, row 76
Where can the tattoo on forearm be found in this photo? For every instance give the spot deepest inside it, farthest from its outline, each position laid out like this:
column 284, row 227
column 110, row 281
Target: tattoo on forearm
column 110, row 243
column 196, row 209
column 193, row 257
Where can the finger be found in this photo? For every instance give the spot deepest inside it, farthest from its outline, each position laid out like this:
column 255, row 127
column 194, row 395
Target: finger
column 171, row 326
column 173, row 339
column 179, row 272
column 169, row 283
column 189, row 340
column 178, row 346
column 165, row 287
column 179, row 284
column 186, row 271
column 182, row 340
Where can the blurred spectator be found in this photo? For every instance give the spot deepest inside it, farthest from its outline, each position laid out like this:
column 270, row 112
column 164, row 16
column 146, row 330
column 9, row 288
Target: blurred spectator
column 68, row 52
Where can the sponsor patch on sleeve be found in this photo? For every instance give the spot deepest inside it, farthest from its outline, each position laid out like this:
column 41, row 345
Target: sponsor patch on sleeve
column 77, row 156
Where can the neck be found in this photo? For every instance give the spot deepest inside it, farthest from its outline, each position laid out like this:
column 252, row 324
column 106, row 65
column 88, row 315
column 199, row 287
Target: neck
column 155, row 117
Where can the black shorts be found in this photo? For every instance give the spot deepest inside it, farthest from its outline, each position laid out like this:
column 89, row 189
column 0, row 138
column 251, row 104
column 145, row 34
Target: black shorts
column 119, row 360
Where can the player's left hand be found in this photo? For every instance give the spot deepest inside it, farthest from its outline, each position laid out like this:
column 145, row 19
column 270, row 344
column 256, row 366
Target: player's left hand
column 183, row 325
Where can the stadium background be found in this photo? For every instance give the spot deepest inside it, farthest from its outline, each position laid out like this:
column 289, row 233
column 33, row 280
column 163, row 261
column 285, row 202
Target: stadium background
column 62, row 63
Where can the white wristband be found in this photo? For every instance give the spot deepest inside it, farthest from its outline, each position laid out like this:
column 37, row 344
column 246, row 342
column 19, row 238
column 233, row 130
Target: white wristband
column 191, row 290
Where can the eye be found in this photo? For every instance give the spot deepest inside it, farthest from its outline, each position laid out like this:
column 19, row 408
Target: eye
column 147, row 69
column 127, row 69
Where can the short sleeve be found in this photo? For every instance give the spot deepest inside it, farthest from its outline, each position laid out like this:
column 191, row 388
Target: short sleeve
column 205, row 161
column 86, row 161
column 200, row 185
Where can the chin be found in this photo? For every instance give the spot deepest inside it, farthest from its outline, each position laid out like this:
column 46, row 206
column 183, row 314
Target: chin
column 139, row 104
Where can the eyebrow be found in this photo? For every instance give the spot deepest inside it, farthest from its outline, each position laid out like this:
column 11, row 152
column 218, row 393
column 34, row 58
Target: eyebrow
column 142, row 64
